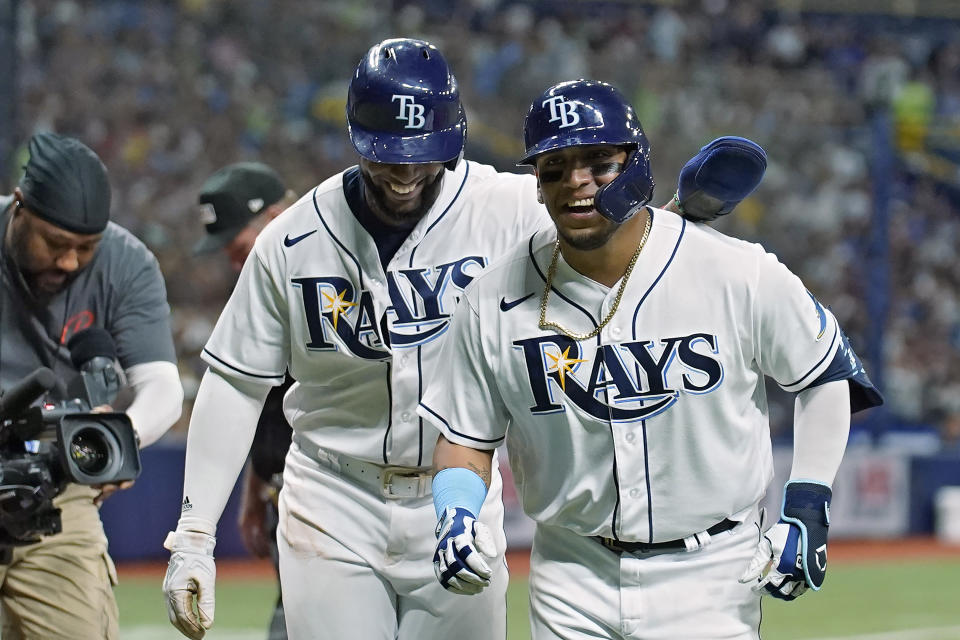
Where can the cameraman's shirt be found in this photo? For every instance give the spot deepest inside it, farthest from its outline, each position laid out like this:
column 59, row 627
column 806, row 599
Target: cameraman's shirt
column 120, row 290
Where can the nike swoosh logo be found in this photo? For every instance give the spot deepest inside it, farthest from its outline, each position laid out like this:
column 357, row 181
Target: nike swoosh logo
column 289, row 242
column 506, row 306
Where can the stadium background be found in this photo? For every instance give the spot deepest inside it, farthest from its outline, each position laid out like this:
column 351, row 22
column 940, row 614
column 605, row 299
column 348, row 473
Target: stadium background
column 857, row 103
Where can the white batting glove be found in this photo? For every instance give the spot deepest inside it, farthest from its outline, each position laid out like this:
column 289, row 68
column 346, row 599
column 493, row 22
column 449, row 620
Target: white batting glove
column 458, row 561
column 191, row 575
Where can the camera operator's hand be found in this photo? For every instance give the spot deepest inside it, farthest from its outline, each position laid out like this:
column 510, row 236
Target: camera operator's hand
column 190, row 578
column 110, row 488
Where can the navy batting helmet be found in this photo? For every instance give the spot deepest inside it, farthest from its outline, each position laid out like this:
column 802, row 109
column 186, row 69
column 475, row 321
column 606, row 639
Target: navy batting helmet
column 403, row 106
column 587, row 112
column 578, row 113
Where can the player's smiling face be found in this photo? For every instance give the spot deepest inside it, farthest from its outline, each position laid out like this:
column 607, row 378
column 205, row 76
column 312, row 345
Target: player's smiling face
column 400, row 194
column 569, row 178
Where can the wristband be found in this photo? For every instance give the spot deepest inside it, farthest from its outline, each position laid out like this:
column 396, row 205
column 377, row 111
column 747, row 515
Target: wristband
column 458, row 487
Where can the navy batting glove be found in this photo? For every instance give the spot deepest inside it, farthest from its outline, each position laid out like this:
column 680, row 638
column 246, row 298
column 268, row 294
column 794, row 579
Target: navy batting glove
column 621, row 198
column 792, row 555
column 715, row 180
column 462, row 541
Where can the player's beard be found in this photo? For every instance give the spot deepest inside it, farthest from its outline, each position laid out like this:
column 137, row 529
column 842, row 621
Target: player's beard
column 590, row 238
column 379, row 201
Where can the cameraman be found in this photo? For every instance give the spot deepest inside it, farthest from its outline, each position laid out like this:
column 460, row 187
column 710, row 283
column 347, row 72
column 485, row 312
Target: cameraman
column 65, row 268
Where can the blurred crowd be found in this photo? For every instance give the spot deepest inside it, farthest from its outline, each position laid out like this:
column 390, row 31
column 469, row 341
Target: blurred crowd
column 860, row 116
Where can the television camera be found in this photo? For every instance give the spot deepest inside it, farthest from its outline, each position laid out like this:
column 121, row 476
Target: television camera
column 45, row 446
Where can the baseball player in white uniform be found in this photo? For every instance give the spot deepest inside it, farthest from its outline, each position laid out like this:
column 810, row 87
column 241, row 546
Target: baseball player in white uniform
column 350, row 289
column 620, row 354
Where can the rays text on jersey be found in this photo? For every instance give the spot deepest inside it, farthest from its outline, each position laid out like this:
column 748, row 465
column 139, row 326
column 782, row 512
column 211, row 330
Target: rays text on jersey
column 622, row 382
column 421, row 301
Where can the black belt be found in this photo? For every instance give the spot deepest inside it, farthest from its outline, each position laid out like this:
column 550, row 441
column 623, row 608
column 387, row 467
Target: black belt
column 621, row 546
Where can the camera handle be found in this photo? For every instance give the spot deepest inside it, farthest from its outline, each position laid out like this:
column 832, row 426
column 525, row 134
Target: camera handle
column 19, row 397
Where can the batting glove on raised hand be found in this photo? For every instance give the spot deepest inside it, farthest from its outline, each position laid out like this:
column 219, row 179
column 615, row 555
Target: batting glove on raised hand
column 191, row 575
column 714, row 181
column 792, row 554
column 462, row 541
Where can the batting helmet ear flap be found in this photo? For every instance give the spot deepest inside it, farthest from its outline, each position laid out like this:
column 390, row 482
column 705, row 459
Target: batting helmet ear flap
column 452, row 164
column 620, row 199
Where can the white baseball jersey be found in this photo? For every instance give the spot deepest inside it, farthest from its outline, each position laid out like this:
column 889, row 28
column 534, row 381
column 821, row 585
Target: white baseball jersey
column 657, row 428
column 314, row 298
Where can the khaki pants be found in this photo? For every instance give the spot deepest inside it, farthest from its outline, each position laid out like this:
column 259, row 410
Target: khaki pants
column 62, row 586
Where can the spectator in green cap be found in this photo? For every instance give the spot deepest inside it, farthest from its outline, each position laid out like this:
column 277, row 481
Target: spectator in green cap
column 236, row 203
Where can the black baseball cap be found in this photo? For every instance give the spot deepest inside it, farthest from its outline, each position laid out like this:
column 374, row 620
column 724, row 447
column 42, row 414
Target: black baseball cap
column 231, row 198
column 65, row 183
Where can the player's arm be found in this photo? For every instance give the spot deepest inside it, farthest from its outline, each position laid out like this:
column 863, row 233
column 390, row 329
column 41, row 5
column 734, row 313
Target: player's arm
column 462, row 476
column 463, row 402
column 449, row 455
column 801, row 345
column 222, row 427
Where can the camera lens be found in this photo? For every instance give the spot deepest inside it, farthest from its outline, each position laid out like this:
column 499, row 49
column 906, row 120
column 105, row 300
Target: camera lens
column 90, row 451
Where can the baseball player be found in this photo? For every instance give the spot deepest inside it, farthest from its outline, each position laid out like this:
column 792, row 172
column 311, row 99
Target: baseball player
column 351, row 289
column 620, row 354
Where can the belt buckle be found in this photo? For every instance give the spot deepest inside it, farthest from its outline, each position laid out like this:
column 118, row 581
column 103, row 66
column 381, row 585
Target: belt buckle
column 416, row 487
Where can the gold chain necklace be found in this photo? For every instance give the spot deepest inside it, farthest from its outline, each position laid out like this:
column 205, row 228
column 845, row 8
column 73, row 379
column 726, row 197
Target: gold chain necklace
column 551, row 272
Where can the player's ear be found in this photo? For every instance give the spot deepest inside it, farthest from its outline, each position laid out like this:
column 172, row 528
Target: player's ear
column 539, row 192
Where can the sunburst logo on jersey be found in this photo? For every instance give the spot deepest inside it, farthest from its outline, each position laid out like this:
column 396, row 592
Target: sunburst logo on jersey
column 338, row 305
column 563, row 364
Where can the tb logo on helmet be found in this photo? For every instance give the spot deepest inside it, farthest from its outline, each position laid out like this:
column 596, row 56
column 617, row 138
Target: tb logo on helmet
column 410, row 111
column 563, row 110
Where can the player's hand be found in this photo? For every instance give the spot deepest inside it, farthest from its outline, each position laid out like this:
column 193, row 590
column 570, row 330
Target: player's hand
column 792, row 555
column 190, row 578
column 458, row 561
column 715, row 180
column 775, row 569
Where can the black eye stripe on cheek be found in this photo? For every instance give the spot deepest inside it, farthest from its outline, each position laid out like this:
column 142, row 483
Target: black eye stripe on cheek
column 599, row 169
column 606, row 168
